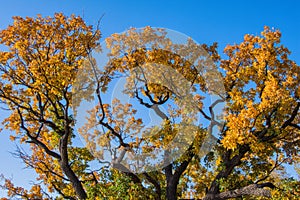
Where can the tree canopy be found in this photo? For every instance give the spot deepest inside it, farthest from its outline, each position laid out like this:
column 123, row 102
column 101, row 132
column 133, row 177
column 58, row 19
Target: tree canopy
column 49, row 68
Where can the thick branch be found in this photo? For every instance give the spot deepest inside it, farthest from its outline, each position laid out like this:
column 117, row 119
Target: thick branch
column 182, row 167
column 292, row 117
column 155, row 183
column 250, row 190
column 64, row 161
column 36, row 141
column 229, row 166
column 127, row 172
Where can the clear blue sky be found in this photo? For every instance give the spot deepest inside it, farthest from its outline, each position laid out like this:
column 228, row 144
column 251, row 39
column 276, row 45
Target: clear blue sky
column 225, row 22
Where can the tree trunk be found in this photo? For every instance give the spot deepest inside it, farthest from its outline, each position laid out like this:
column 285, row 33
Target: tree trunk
column 171, row 189
column 80, row 192
column 66, row 168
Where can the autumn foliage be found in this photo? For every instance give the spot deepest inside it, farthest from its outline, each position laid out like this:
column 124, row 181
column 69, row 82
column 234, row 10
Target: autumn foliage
column 259, row 133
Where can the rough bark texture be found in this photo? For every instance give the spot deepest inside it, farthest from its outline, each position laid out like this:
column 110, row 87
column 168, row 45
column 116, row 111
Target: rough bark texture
column 251, row 190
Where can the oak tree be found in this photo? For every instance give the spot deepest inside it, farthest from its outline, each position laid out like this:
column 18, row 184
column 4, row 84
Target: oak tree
column 48, row 69
column 37, row 70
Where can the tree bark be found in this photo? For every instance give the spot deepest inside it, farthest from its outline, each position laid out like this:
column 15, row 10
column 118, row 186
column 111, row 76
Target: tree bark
column 66, row 168
column 251, row 190
column 230, row 164
column 173, row 178
column 171, row 189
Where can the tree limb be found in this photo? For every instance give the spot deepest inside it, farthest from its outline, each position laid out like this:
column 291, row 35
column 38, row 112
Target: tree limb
column 250, row 190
